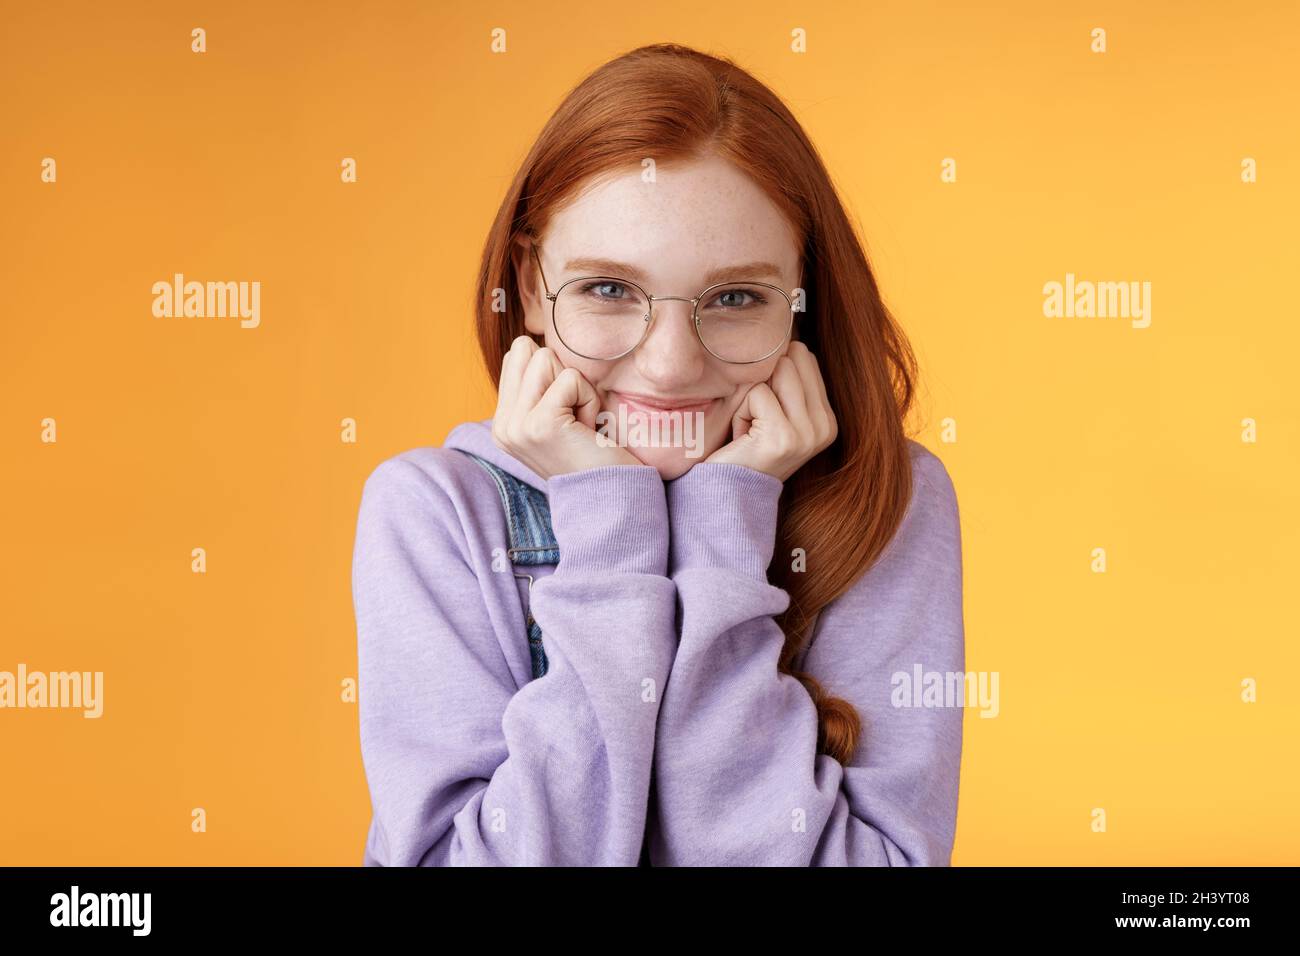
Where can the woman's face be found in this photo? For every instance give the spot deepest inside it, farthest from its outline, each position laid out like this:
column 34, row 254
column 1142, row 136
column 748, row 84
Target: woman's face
column 665, row 235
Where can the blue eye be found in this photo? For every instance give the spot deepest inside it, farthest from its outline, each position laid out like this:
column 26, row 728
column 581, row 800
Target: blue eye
column 739, row 297
column 603, row 285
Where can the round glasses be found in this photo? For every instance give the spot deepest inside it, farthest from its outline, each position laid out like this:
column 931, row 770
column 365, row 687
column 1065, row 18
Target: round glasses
column 606, row 317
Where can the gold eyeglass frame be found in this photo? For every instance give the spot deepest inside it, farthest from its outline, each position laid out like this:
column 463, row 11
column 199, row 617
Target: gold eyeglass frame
column 649, row 316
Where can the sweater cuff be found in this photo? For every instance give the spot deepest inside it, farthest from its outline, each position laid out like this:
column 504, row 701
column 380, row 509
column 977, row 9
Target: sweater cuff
column 610, row 518
column 723, row 515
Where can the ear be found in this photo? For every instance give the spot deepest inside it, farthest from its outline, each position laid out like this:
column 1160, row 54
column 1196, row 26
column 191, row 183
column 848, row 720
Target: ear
column 531, row 292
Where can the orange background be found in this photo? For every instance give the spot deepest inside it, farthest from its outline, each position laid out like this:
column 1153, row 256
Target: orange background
column 222, row 690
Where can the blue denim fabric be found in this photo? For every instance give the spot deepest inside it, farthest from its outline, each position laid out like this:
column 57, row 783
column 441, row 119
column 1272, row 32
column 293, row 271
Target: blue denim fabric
column 532, row 542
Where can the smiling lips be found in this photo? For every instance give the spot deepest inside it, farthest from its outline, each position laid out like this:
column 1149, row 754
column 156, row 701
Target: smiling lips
column 658, row 406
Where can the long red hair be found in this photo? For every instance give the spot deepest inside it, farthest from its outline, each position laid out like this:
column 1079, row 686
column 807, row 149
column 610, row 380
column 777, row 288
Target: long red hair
column 670, row 102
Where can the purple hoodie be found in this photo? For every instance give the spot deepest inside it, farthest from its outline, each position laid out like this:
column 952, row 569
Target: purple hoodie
column 662, row 720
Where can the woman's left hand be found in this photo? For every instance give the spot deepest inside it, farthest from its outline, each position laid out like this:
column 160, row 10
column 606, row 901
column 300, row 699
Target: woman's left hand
column 783, row 422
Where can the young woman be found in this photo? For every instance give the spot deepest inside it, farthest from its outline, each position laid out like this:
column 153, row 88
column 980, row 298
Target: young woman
column 582, row 646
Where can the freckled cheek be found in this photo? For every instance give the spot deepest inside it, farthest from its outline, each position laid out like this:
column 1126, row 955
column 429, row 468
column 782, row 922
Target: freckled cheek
column 743, row 378
column 593, row 372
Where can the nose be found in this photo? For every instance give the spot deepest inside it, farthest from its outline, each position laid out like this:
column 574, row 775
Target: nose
column 671, row 355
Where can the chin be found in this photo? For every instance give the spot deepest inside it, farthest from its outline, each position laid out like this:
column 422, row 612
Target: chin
column 672, row 446
column 669, row 462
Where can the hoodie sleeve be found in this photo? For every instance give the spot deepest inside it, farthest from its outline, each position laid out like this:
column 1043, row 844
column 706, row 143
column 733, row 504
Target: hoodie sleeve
column 738, row 778
column 464, row 766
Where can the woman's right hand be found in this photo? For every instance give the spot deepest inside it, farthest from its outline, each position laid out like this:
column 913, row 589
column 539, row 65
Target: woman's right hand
column 546, row 414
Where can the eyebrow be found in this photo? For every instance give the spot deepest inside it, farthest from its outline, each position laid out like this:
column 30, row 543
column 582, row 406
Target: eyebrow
column 615, row 269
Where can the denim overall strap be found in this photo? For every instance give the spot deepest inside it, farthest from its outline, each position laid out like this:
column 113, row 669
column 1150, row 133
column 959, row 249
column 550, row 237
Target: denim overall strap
column 532, row 542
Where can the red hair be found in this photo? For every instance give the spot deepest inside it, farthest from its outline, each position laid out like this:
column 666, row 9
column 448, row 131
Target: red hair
column 670, row 102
